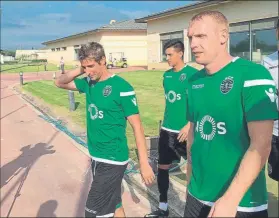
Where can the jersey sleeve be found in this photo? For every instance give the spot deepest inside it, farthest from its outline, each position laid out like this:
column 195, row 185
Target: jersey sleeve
column 259, row 95
column 81, row 84
column 128, row 100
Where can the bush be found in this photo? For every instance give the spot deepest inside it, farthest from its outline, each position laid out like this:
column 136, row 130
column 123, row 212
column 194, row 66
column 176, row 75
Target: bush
column 10, row 62
column 39, row 60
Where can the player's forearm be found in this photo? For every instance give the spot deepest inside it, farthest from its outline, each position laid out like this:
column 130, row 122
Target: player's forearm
column 250, row 167
column 189, row 171
column 68, row 77
column 189, row 155
column 140, row 142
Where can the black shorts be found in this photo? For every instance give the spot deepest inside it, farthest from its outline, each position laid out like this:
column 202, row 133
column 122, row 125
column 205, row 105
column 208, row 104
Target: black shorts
column 273, row 160
column 105, row 193
column 194, row 208
column 170, row 149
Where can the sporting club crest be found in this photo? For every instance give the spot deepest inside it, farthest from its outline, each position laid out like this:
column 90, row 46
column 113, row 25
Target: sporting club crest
column 182, row 77
column 226, row 85
column 107, row 91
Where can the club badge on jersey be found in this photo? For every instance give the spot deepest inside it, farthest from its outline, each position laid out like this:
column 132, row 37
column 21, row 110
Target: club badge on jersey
column 107, row 91
column 227, row 85
column 182, row 77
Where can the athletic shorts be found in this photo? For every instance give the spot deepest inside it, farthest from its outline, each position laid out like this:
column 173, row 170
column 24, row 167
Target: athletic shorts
column 194, row 208
column 273, row 160
column 105, row 194
column 170, row 149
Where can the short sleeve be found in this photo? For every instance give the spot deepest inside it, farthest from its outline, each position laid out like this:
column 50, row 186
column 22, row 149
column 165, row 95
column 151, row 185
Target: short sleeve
column 81, row 84
column 259, row 95
column 128, row 100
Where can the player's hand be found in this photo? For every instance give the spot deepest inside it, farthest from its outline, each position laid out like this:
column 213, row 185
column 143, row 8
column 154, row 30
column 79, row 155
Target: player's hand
column 183, row 134
column 147, row 173
column 223, row 208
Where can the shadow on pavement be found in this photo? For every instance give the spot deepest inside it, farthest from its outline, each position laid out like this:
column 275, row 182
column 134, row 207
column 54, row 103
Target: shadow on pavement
column 47, row 209
column 24, row 162
column 86, row 180
column 131, row 189
column 27, row 158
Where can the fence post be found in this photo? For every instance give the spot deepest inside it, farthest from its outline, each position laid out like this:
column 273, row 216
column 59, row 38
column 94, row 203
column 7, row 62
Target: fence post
column 21, row 78
column 72, row 102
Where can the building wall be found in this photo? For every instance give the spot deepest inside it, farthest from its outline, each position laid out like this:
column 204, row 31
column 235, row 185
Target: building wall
column 8, row 58
column 133, row 44
column 234, row 11
column 69, row 55
column 31, row 54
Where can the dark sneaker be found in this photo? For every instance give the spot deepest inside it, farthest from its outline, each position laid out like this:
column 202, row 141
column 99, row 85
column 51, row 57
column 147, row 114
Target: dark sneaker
column 158, row 213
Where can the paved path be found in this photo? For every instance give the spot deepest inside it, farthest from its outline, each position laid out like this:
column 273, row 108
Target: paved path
column 43, row 172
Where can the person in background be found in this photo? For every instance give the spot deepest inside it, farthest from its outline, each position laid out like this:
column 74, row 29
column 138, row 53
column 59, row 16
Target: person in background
column 271, row 63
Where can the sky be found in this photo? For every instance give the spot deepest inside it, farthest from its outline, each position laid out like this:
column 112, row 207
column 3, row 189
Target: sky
column 26, row 24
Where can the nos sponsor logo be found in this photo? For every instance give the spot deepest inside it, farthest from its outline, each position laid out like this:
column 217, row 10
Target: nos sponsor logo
column 208, row 128
column 94, row 112
column 171, row 96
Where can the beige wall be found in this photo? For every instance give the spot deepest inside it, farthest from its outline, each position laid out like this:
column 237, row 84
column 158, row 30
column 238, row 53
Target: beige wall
column 55, row 56
column 235, row 12
column 69, row 55
column 32, row 54
column 133, row 44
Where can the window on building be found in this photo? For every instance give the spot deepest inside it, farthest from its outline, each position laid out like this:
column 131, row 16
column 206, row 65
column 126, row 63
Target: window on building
column 240, row 40
column 53, row 49
column 57, row 49
column 64, row 48
column 253, row 40
column 263, row 39
column 166, row 37
column 76, row 54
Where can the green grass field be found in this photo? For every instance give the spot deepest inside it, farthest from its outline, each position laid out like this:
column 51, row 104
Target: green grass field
column 34, row 67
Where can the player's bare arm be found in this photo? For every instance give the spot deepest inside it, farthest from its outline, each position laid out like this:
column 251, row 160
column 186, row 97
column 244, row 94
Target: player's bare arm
column 145, row 168
column 66, row 81
column 255, row 158
column 189, row 145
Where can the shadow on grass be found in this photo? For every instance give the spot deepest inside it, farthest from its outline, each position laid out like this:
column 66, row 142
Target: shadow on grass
column 272, row 205
column 76, row 105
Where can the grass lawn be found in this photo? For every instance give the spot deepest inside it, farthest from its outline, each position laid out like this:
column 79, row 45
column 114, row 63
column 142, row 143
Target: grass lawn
column 33, row 67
